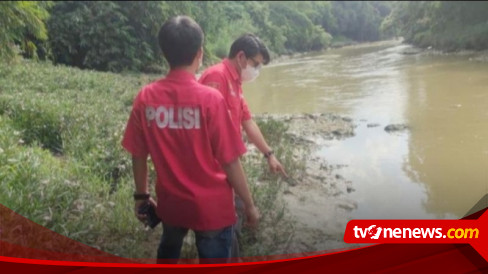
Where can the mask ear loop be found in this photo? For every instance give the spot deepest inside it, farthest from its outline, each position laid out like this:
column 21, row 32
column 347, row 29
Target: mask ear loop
column 245, row 57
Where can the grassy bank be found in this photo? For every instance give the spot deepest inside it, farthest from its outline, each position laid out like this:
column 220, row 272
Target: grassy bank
column 62, row 166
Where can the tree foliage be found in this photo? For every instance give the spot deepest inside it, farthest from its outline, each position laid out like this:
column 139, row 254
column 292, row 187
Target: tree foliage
column 22, row 22
column 118, row 36
column 359, row 20
column 441, row 24
column 105, row 35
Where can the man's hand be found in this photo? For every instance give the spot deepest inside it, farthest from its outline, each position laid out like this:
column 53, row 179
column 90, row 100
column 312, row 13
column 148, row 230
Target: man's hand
column 256, row 137
column 138, row 205
column 238, row 181
column 275, row 166
column 252, row 214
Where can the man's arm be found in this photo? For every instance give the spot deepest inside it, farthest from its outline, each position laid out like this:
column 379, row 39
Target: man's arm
column 237, row 179
column 256, row 137
column 139, row 169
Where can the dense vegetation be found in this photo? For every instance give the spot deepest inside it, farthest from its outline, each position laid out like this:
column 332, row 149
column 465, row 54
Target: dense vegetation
column 22, row 23
column 442, row 25
column 117, row 36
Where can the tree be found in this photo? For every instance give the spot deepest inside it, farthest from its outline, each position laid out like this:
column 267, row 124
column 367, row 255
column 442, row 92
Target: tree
column 106, row 35
column 21, row 22
column 118, row 36
column 441, row 24
column 359, row 21
column 300, row 33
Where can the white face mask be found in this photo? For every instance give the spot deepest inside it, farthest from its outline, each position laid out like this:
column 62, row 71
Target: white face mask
column 250, row 73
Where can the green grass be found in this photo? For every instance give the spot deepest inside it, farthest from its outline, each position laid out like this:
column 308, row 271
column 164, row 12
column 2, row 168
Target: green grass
column 62, row 165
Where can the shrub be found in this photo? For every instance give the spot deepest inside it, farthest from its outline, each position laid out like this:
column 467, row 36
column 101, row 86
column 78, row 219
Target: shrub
column 37, row 124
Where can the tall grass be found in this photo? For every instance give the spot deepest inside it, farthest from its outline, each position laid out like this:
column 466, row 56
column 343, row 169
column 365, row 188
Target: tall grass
column 62, row 165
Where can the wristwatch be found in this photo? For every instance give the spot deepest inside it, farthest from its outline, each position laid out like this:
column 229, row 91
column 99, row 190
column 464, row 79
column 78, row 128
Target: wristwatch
column 267, row 154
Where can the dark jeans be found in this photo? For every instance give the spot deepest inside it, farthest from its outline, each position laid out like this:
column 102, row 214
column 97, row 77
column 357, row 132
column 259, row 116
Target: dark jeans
column 213, row 246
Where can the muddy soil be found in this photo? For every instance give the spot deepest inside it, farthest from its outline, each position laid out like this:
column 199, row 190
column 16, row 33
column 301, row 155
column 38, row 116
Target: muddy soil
column 318, row 201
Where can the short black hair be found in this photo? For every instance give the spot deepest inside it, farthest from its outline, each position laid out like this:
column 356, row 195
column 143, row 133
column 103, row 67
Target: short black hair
column 251, row 45
column 180, row 38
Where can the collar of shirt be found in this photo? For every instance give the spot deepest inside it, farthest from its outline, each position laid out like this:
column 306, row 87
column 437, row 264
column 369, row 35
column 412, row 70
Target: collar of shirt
column 233, row 71
column 180, row 74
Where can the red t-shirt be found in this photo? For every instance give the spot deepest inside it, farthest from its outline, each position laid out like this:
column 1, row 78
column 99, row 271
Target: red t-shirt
column 187, row 130
column 224, row 77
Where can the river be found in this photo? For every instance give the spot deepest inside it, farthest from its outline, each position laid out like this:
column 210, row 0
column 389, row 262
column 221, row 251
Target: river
column 438, row 169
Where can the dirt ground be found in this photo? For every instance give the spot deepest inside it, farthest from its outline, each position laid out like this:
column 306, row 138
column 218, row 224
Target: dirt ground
column 318, row 201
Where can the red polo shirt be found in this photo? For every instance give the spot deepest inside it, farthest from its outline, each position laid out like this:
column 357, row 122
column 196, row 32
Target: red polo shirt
column 224, row 77
column 186, row 129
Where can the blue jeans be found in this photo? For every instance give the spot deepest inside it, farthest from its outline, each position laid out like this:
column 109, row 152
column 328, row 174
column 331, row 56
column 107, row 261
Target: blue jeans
column 213, row 246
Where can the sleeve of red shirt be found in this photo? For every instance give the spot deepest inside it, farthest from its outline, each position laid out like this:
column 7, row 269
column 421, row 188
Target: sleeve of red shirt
column 134, row 141
column 215, row 80
column 246, row 114
column 226, row 143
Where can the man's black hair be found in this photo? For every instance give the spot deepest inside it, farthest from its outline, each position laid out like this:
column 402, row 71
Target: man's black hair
column 251, row 45
column 180, row 38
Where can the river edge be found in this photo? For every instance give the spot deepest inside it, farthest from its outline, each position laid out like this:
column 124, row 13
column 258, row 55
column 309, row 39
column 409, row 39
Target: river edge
column 471, row 55
column 349, row 44
column 317, row 201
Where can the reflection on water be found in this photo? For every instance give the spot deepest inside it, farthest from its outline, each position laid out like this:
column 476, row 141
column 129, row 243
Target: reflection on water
column 437, row 169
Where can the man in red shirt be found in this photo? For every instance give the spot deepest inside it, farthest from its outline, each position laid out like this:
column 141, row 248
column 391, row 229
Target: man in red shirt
column 186, row 129
column 246, row 57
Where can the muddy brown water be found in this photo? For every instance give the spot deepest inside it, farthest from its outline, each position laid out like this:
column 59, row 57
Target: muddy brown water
column 438, row 168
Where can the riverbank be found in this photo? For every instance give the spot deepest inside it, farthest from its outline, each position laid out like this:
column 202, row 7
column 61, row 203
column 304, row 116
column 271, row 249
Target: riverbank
column 471, row 55
column 317, row 199
column 339, row 44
